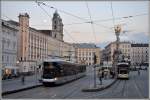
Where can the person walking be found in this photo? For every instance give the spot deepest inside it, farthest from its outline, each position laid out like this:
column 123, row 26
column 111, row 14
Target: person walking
column 23, row 79
column 100, row 76
column 138, row 71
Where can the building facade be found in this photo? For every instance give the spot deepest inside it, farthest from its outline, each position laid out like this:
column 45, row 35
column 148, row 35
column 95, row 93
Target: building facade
column 32, row 46
column 57, row 27
column 9, row 48
column 85, row 53
column 108, row 52
column 61, row 50
column 139, row 53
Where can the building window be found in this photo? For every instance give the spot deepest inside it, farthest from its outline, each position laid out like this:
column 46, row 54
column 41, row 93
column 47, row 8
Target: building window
column 146, row 51
column 55, row 22
column 8, row 43
column 55, row 27
column 2, row 58
column 14, row 34
column 14, row 45
column 90, row 53
column 7, row 58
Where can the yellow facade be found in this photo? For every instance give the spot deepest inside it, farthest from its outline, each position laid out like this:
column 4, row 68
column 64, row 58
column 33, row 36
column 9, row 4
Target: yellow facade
column 85, row 55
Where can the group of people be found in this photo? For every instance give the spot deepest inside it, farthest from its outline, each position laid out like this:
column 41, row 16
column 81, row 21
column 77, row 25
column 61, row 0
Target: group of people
column 105, row 74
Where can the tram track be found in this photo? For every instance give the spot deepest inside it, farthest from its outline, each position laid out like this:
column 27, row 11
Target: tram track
column 124, row 87
column 137, row 88
column 122, row 90
column 77, row 89
column 104, row 92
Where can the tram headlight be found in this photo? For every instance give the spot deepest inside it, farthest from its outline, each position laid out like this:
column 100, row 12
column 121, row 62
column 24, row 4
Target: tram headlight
column 55, row 78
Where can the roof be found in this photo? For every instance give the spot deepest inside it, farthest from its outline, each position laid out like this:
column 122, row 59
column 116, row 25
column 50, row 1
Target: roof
column 48, row 32
column 85, row 45
column 13, row 22
column 139, row 45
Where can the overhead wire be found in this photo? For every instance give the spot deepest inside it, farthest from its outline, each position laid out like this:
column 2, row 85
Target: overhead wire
column 70, row 35
column 51, row 18
column 93, row 29
column 62, row 11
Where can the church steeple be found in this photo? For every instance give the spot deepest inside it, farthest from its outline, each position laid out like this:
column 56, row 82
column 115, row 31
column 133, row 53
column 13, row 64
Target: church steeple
column 57, row 26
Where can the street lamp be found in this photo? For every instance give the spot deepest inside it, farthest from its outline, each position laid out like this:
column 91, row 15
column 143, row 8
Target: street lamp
column 94, row 58
column 17, row 62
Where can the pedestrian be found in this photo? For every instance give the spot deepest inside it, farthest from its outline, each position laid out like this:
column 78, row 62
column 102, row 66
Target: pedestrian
column 23, row 79
column 100, row 76
column 105, row 74
column 113, row 74
column 138, row 71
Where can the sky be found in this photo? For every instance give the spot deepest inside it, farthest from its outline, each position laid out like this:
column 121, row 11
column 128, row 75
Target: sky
column 100, row 32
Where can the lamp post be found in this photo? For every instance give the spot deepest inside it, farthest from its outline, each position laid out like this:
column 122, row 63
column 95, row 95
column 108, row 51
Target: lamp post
column 94, row 57
column 17, row 64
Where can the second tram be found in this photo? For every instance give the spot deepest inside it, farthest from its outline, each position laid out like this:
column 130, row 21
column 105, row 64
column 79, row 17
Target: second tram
column 123, row 70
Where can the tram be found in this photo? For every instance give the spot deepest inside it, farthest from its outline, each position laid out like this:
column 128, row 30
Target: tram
column 57, row 71
column 123, row 70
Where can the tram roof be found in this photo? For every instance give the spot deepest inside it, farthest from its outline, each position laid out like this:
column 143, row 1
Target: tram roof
column 57, row 60
column 122, row 63
column 53, row 60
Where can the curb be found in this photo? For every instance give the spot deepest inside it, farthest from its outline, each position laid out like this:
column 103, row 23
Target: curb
column 98, row 89
column 18, row 90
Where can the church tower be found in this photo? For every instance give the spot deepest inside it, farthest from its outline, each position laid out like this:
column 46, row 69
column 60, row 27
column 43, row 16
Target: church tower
column 57, row 27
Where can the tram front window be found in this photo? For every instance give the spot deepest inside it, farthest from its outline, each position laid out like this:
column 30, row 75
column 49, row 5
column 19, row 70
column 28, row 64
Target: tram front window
column 123, row 71
column 49, row 71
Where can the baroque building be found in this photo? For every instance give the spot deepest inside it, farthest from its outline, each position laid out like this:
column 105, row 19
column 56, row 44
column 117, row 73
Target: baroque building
column 57, row 27
column 137, row 53
column 85, row 53
column 33, row 45
column 108, row 52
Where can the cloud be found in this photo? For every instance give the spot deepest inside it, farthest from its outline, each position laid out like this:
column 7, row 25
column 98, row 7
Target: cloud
column 140, row 37
column 136, row 37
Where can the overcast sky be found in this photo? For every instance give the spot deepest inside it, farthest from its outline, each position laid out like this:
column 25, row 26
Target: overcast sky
column 100, row 11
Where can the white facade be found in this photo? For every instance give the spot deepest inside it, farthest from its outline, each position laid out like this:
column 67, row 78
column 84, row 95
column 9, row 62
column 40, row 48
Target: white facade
column 9, row 45
column 1, row 47
column 109, row 50
column 136, row 53
column 139, row 53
